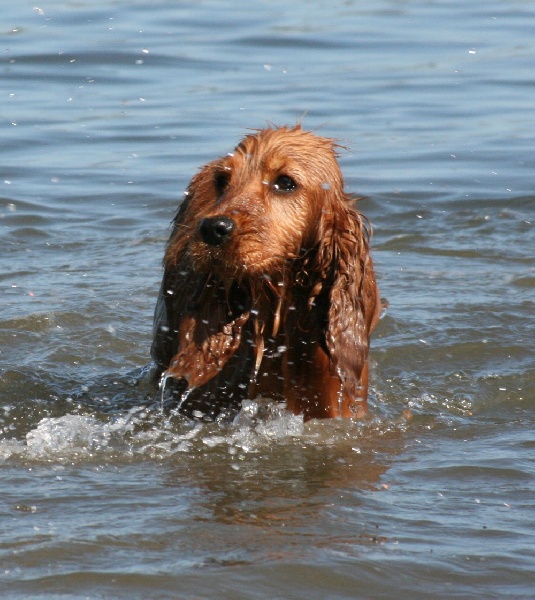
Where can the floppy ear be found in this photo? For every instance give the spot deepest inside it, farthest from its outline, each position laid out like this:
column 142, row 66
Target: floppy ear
column 208, row 333
column 178, row 285
column 199, row 343
column 352, row 308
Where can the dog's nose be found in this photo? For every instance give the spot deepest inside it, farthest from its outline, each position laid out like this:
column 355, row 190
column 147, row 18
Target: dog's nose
column 216, row 230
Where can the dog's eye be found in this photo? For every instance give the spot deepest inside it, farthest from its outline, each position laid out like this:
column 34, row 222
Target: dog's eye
column 221, row 181
column 283, row 183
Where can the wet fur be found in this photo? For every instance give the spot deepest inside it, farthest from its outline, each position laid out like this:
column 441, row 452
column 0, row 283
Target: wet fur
column 285, row 307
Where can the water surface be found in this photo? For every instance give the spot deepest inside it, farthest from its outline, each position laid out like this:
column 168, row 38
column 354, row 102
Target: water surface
column 107, row 110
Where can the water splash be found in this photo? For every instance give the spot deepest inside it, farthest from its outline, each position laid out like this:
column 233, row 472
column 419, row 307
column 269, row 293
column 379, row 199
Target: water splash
column 79, row 436
column 149, row 432
column 145, row 432
column 163, row 385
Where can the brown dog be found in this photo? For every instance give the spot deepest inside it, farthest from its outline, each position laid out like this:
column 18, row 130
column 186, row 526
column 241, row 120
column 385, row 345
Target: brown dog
column 268, row 288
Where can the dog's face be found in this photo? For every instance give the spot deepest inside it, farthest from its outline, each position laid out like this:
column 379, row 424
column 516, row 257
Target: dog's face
column 263, row 204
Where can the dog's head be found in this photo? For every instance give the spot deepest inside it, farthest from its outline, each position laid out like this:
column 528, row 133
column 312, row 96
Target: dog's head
column 266, row 203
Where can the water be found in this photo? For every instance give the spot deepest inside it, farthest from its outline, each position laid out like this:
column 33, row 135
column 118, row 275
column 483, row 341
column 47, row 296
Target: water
column 107, row 110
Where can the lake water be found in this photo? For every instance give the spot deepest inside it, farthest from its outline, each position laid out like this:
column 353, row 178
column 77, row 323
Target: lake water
column 107, row 109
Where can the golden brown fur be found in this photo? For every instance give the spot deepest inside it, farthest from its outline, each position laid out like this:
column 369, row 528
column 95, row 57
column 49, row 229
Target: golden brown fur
column 268, row 286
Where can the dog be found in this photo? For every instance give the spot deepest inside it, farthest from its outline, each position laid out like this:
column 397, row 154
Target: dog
column 268, row 288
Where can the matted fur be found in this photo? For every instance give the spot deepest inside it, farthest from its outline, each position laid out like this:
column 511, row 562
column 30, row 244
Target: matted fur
column 284, row 306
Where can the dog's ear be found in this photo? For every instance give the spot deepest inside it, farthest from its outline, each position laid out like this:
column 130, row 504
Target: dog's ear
column 180, row 284
column 198, row 324
column 209, row 333
column 199, row 344
column 351, row 302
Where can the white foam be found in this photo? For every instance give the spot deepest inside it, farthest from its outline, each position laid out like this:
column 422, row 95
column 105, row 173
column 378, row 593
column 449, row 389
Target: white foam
column 140, row 432
column 74, row 435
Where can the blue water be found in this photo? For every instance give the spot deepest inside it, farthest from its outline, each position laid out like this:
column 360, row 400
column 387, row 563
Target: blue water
column 107, row 109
